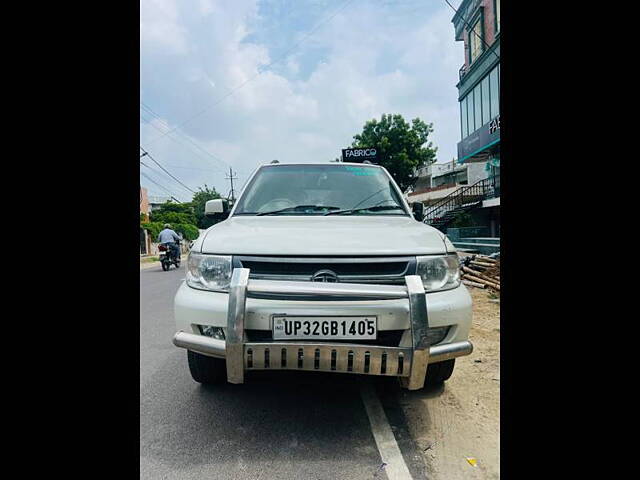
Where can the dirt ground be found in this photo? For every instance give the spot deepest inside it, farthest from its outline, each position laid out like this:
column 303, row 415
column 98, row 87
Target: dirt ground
column 462, row 419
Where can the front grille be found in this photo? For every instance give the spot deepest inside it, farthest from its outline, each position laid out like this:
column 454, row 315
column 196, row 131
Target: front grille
column 386, row 338
column 347, row 358
column 378, row 270
column 341, row 269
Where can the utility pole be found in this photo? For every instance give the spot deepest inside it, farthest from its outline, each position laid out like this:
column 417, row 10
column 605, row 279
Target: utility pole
column 231, row 178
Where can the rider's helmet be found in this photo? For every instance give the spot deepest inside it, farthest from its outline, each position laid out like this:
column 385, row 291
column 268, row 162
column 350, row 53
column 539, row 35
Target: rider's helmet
column 167, row 225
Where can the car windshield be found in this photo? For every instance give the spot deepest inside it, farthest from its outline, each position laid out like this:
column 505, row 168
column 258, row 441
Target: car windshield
column 319, row 189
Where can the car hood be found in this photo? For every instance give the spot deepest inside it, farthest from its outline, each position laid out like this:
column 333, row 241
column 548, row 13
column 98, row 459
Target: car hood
column 322, row 236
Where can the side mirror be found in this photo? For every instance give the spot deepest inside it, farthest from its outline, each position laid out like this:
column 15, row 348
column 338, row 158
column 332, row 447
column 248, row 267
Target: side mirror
column 215, row 207
column 418, row 211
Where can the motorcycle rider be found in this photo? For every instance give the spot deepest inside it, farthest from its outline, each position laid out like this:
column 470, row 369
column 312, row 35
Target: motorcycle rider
column 171, row 239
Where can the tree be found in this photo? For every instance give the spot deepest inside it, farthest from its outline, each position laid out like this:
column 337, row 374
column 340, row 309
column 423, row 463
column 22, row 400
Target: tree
column 188, row 230
column 174, row 213
column 400, row 146
column 179, row 215
column 198, row 202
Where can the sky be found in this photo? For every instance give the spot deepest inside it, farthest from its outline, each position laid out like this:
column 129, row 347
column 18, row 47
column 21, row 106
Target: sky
column 238, row 83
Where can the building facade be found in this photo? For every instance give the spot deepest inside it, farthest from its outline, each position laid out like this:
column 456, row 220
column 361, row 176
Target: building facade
column 144, row 202
column 477, row 24
column 145, row 208
column 438, row 180
column 156, row 201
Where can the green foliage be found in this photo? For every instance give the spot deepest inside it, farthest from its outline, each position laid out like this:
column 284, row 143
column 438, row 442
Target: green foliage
column 179, row 215
column 174, row 213
column 173, row 217
column 400, row 145
column 154, row 228
column 464, row 219
column 199, row 199
column 188, row 230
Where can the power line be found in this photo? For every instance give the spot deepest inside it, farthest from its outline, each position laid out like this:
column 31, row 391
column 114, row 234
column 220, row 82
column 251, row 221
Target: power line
column 150, row 178
column 471, row 30
column 192, row 168
column 160, row 174
column 165, row 170
column 148, row 110
column 156, row 183
column 201, row 169
column 260, row 71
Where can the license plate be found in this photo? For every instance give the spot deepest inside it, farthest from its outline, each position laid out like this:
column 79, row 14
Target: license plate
column 287, row 327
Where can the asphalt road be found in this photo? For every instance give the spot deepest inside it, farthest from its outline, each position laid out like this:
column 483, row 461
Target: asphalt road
column 284, row 425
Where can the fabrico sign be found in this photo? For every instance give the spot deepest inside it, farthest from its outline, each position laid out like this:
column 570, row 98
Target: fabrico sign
column 494, row 125
column 359, row 155
column 489, row 133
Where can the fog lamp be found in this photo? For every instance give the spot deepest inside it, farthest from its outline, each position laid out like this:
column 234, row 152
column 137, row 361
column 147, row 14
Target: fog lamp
column 213, row 332
column 437, row 334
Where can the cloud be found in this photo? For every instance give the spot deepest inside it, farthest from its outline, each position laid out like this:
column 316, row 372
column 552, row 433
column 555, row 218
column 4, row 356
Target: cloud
column 370, row 58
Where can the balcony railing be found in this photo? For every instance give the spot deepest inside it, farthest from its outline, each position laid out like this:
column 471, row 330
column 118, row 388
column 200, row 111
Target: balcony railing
column 463, row 198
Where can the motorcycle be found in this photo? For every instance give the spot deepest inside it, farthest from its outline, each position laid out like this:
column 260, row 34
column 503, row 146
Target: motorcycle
column 168, row 257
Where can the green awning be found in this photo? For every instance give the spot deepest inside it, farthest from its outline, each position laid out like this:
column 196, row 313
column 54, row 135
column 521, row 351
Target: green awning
column 461, row 160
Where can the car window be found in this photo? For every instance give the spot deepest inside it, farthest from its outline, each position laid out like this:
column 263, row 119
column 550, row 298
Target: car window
column 335, row 186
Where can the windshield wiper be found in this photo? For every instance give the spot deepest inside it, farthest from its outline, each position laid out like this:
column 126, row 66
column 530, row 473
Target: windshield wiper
column 298, row 207
column 374, row 208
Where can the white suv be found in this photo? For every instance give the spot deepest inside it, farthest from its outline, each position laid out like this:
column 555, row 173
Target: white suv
column 322, row 267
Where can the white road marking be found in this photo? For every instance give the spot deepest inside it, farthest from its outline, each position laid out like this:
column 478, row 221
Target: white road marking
column 395, row 468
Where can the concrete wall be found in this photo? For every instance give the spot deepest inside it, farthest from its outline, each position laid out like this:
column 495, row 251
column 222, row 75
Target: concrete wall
column 144, row 201
column 432, row 195
column 476, row 172
column 184, row 247
column 145, row 242
column 428, row 176
column 422, row 183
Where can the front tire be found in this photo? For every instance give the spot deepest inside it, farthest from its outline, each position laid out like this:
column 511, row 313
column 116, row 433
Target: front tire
column 206, row 370
column 438, row 373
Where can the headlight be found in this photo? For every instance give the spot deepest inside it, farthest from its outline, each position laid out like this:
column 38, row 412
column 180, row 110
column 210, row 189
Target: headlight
column 440, row 272
column 209, row 272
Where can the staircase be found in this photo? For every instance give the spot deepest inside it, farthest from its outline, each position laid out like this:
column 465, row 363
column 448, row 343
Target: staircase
column 464, row 199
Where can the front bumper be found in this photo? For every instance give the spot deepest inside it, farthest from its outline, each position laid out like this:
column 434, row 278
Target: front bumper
column 408, row 362
column 293, row 359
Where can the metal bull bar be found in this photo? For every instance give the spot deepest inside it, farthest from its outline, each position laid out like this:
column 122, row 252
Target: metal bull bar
column 409, row 363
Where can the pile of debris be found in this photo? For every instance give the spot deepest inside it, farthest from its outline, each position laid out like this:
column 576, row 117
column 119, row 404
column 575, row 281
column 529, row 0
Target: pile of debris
column 481, row 271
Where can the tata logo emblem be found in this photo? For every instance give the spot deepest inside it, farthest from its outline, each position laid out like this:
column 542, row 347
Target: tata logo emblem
column 325, row 276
